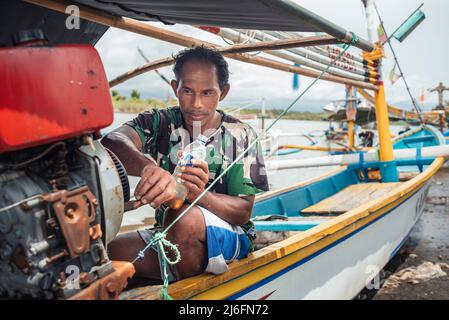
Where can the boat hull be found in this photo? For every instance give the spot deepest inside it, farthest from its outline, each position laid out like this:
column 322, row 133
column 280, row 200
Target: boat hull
column 341, row 269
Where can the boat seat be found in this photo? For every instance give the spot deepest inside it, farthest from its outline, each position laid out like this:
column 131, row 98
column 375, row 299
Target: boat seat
column 349, row 198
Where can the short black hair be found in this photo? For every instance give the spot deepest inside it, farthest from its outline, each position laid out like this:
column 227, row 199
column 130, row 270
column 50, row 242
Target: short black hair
column 203, row 54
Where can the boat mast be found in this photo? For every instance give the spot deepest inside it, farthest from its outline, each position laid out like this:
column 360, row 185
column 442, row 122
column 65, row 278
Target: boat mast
column 388, row 169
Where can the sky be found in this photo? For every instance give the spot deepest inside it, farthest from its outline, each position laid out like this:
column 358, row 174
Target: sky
column 422, row 57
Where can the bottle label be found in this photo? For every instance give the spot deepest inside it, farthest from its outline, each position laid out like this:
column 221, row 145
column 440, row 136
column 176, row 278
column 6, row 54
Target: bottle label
column 187, row 160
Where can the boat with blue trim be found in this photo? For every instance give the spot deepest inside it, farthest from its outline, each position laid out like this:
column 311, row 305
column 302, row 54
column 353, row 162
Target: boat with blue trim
column 326, row 238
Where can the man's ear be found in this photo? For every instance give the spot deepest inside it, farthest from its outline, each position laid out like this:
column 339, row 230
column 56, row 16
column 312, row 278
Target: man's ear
column 174, row 86
column 225, row 91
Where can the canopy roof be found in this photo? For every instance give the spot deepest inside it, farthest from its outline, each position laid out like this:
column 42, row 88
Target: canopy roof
column 279, row 15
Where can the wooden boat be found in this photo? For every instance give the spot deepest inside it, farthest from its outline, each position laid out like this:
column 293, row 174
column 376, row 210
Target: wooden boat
column 340, row 231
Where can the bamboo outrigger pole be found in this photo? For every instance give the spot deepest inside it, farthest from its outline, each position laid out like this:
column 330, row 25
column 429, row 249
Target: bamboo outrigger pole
column 240, row 48
column 279, row 44
column 153, row 65
column 302, row 59
column 326, row 50
column 344, row 63
column 172, row 37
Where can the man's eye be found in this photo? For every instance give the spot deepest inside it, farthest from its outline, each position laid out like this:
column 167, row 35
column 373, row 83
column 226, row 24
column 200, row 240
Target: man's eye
column 208, row 93
column 188, row 91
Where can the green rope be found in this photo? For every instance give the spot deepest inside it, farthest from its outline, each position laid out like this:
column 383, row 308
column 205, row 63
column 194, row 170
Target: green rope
column 165, row 260
column 162, row 242
column 159, row 237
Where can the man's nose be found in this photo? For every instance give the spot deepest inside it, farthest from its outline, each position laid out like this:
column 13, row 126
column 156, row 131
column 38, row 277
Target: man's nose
column 197, row 102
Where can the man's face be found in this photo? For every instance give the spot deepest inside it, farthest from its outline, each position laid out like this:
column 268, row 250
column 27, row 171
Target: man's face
column 198, row 92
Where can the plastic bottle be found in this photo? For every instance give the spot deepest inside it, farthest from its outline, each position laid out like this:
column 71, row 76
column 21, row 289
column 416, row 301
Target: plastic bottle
column 194, row 150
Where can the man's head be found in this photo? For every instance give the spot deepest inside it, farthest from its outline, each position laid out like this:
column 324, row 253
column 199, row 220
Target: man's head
column 201, row 83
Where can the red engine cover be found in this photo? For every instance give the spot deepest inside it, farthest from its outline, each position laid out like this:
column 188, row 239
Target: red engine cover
column 51, row 93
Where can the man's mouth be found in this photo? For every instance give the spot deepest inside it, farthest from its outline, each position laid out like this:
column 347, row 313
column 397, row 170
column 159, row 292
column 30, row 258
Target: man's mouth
column 197, row 115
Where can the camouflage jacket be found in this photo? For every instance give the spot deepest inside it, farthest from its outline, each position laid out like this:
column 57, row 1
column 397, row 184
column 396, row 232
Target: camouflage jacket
column 162, row 133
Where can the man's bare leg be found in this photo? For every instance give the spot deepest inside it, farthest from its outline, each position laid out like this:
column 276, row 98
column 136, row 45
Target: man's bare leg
column 189, row 233
column 126, row 246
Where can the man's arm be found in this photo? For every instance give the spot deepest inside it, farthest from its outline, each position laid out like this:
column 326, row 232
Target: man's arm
column 125, row 143
column 156, row 185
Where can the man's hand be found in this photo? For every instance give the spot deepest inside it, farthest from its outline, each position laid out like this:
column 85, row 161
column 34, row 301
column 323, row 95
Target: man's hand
column 195, row 178
column 155, row 187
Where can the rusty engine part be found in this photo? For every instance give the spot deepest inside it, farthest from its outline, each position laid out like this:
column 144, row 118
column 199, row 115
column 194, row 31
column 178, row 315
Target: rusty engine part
column 62, row 193
column 56, row 230
column 110, row 286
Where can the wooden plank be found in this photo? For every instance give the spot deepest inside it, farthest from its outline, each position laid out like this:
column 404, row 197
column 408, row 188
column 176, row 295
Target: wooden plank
column 351, row 197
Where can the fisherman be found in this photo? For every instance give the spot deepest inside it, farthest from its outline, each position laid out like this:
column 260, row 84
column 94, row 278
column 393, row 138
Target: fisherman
column 217, row 230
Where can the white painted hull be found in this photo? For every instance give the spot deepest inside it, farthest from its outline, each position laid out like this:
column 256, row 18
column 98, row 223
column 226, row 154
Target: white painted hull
column 343, row 270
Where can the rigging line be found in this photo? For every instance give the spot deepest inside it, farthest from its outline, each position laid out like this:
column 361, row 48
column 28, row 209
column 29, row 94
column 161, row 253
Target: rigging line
column 415, row 104
column 141, row 253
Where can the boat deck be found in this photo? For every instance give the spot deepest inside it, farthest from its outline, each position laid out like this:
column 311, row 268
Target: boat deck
column 351, row 197
column 272, row 229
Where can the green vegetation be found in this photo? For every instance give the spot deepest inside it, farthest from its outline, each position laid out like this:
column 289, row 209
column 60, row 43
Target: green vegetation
column 136, row 105
column 291, row 115
column 135, row 95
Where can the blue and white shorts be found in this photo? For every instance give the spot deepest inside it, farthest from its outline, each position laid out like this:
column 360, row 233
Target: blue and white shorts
column 225, row 243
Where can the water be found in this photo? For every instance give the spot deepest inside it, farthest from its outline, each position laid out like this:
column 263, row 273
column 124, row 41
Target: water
column 286, row 177
column 276, row 179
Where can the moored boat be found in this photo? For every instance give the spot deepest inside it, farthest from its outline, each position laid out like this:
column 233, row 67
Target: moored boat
column 340, row 231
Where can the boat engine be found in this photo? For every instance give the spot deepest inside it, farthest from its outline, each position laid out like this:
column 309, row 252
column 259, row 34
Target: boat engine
column 62, row 193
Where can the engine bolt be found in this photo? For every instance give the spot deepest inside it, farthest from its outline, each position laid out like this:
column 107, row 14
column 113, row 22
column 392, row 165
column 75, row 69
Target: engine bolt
column 69, row 213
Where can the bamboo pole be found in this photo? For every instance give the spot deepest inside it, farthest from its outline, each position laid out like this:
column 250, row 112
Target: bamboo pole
column 354, row 158
column 172, row 37
column 153, row 65
column 324, row 50
column 278, row 44
column 312, row 148
column 299, row 59
column 343, row 63
column 156, row 71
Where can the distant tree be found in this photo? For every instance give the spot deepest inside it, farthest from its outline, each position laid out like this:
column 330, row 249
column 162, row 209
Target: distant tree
column 155, row 103
column 115, row 93
column 135, row 94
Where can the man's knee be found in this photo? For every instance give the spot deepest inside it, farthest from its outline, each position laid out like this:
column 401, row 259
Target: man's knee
column 191, row 223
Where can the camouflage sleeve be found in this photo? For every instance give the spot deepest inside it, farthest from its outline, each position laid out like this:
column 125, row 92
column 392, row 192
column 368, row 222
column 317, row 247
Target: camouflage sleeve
column 146, row 125
column 248, row 176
